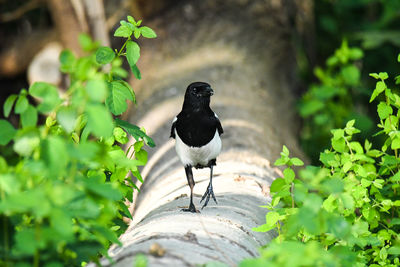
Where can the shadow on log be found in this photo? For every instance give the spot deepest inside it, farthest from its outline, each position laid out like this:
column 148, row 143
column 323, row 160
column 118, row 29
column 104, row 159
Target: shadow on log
column 243, row 49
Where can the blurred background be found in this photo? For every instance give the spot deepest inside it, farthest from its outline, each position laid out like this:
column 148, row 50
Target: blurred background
column 339, row 45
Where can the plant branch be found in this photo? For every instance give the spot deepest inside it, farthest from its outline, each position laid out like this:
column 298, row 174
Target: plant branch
column 19, row 12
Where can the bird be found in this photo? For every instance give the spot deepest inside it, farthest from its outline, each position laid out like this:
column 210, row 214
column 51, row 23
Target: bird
column 197, row 130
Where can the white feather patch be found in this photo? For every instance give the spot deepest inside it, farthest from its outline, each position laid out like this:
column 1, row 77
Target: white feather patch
column 198, row 155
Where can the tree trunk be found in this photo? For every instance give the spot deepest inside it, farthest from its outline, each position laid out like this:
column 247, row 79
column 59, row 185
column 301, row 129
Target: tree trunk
column 73, row 17
column 242, row 48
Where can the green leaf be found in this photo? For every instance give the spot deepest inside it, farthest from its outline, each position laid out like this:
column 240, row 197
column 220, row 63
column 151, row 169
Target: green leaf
column 138, row 145
column 347, row 166
column 296, row 161
column 365, row 182
column 132, row 53
column 338, row 226
column 135, row 132
column 29, row 117
column 285, row 151
column 396, row 177
column 397, row 79
column 383, row 75
column 277, row 185
column 288, row 175
column 119, row 94
column 127, row 24
column 384, row 110
column 107, row 234
column 67, row 60
column 309, row 107
column 62, row 223
column 135, row 70
column 8, row 104
column 333, row 185
column 356, row 53
column 271, row 218
column 131, row 20
column 378, row 183
column 99, row 120
column 25, row 144
column 141, row 156
column 83, row 67
column 339, row 144
column 104, row 55
column 380, row 87
column 120, row 135
column 374, row 75
column 142, row 261
column 136, row 33
column 85, row 41
column 54, row 154
column 7, row 132
column 66, row 117
column 97, row 90
column 48, row 93
column 395, row 143
column 123, row 31
column 281, row 161
column 147, row 32
column 330, row 203
column 351, row 75
column 21, row 105
column 95, row 185
column 125, row 210
column 395, row 250
column 25, row 241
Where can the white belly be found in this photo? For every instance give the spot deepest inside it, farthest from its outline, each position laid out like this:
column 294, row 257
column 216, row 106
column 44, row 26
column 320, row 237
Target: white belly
column 198, row 155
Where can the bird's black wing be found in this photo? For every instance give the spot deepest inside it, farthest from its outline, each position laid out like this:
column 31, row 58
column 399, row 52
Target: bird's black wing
column 219, row 126
column 173, row 129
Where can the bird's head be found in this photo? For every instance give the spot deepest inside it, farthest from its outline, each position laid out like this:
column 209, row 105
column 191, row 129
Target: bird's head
column 199, row 90
column 197, row 96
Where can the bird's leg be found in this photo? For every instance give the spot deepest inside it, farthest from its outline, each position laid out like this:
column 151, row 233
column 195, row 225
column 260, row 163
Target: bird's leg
column 209, row 190
column 189, row 176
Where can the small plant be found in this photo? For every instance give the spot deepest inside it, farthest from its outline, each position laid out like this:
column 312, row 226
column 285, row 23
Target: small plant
column 333, row 101
column 346, row 211
column 63, row 179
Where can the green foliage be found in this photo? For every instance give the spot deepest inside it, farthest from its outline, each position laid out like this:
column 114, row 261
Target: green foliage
column 64, row 183
column 334, row 100
column 372, row 24
column 346, row 211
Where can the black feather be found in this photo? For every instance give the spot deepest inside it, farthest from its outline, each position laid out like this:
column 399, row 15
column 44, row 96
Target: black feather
column 173, row 130
column 196, row 123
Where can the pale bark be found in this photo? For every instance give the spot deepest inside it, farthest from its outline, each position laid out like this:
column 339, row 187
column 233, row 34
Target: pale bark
column 73, row 17
column 69, row 19
column 242, row 48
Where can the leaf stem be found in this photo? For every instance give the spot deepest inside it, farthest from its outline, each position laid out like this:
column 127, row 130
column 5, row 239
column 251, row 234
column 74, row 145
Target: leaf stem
column 123, row 47
column 36, row 257
column 348, row 145
column 5, row 232
column 292, row 194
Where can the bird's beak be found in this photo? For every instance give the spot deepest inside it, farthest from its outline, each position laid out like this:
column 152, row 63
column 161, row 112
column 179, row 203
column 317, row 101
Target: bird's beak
column 209, row 91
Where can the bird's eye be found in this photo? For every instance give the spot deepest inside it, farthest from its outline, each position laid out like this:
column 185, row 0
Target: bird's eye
column 195, row 90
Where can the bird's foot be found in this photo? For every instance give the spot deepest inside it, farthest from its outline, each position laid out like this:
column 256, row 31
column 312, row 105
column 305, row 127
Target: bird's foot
column 209, row 192
column 191, row 208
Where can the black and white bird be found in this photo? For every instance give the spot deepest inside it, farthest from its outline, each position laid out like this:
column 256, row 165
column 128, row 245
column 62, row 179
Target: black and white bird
column 197, row 131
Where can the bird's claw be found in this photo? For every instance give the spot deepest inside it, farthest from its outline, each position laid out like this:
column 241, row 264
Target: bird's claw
column 191, row 208
column 209, row 192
